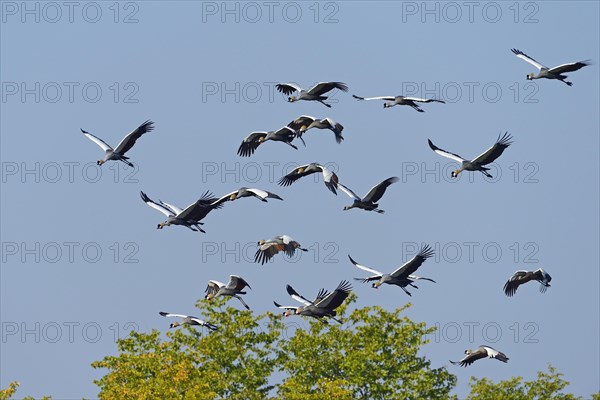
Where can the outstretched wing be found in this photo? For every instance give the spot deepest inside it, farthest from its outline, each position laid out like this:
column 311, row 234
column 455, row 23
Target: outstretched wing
column 251, row 143
column 213, row 287
column 166, row 314
column 301, row 121
column 97, row 140
column 296, row 296
column 288, row 88
column 495, row 151
column 471, row 358
column 290, row 308
column 424, row 100
column 511, row 286
column 267, row 250
column 530, row 60
column 296, row 174
column 223, row 199
column 285, row 133
column 129, row 140
column 445, row 153
column 324, row 87
column 335, row 299
column 348, row 191
column 569, row 67
column 378, row 190
column 412, row 265
column 200, row 208
column 155, row 205
column 365, row 268
column 493, row 353
column 176, row 210
column 204, row 323
column 386, row 98
column 237, row 283
column 263, row 194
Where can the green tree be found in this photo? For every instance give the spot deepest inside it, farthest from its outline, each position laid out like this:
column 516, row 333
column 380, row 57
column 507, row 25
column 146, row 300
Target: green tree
column 6, row 394
column 235, row 361
column 548, row 385
column 372, row 355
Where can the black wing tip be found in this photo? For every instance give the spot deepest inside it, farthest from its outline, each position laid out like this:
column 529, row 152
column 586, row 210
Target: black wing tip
column 164, row 314
column 144, row 197
column 426, row 251
column 285, row 89
column 290, row 290
column 147, row 125
column 517, row 51
column 339, row 85
column 285, row 181
column 352, row 260
column 508, row 289
column 210, row 326
column 460, row 363
column 432, row 146
column 332, row 187
column 345, row 286
column 505, row 139
column 245, row 150
column 257, row 256
column 262, row 257
column 392, row 179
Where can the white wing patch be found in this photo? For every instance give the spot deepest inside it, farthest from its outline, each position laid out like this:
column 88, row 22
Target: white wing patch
column 98, row 141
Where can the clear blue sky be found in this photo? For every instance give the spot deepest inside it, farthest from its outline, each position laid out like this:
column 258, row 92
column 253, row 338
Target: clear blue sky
column 68, row 235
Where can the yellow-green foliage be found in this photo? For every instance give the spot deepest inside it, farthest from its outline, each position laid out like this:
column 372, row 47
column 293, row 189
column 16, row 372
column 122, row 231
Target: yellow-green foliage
column 374, row 354
column 547, row 386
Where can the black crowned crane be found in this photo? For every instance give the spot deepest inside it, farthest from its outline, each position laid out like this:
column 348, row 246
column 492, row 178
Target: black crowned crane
column 306, row 122
column 190, row 216
column 402, row 276
column 391, row 101
column 252, row 141
column 322, row 307
column 313, row 94
column 234, row 288
column 479, row 353
column 369, row 201
column 479, row 162
column 521, row 277
column 268, row 248
column 118, row 153
column 551, row 73
column 188, row 320
column 330, row 179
